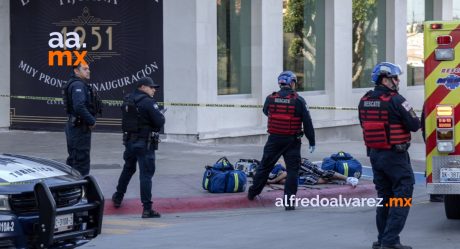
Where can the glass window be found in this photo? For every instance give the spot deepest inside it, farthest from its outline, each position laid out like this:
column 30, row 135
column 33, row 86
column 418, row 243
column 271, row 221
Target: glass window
column 304, row 41
column 233, row 46
column 414, row 31
column 368, row 39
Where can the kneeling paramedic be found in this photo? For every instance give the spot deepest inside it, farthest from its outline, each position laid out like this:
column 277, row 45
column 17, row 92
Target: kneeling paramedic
column 387, row 120
column 286, row 112
column 141, row 122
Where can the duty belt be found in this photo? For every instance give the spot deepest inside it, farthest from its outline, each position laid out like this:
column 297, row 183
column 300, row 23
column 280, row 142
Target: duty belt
column 76, row 121
column 396, row 147
column 133, row 136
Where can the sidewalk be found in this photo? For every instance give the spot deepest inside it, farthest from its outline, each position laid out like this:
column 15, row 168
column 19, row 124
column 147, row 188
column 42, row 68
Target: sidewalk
column 180, row 167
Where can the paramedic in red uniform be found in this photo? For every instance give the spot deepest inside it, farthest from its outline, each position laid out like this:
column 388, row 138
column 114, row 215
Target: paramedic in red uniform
column 287, row 112
column 387, row 120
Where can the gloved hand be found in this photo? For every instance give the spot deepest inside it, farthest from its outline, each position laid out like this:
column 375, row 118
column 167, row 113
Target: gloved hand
column 353, row 181
column 312, row 148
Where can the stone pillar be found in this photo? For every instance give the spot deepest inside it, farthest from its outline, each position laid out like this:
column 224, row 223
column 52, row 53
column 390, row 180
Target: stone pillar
column 5, row 68
column 338, row 55
column 442, row 9
column 396, row 37
column 180, row 61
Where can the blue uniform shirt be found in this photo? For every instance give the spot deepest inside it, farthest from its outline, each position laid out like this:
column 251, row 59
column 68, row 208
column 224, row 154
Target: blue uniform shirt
column 81, row 100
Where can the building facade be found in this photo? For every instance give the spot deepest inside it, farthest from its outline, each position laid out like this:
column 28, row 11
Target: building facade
column 231, row 52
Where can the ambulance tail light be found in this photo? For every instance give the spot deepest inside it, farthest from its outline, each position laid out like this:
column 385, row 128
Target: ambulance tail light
column 444, row 54
column 444, row 40
column 436, row 26
column 446, row 147
column 445, row 128
column 444, row 111
column 445, row 135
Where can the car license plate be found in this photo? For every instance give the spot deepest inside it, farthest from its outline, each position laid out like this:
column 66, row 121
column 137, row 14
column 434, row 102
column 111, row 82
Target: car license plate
column 450, row 175
column 63, row 223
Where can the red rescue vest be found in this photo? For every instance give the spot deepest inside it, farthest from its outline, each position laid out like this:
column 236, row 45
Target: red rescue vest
column 381, row 129
column 281, row 115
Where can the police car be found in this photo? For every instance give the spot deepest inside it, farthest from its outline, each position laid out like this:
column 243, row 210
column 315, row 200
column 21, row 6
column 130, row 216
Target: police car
column 46, row 204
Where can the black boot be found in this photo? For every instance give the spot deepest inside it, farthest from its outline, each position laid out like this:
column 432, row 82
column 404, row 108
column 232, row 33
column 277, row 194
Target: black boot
column 251, row 197
column 396, row 246
column 150, row 213
column 376, row 245
column 289, row 208
column 117, row 198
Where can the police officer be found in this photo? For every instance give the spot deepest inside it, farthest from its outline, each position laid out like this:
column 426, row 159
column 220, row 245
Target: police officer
column 141, row 122
column 286, row 112
column 82, row 104
column 387, row 120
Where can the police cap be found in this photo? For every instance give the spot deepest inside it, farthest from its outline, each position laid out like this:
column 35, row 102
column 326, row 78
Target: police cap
column 147, row 81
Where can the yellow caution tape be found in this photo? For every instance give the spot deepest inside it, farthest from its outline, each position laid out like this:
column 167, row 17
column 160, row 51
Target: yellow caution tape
column 120, row 102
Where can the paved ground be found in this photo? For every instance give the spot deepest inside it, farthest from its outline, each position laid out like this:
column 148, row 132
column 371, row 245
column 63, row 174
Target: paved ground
column 180, row 167
column 273, row 228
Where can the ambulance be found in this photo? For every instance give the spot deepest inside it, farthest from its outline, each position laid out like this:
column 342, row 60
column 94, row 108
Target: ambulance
column 442, row 112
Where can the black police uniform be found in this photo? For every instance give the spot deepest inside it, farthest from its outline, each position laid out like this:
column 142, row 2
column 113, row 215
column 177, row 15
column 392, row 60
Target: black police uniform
column 279, row 144
column 140, row 148
column 393, row 175
column 82, row 104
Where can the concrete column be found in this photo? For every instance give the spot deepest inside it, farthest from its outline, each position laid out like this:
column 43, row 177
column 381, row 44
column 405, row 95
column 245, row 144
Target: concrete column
column 442, row 10
column 267, row 48
column 181, row 40
column 206, row 47
column 206, row 63
column 271, row 44
column 190, row 44
column 5, row 68
column 396, row 37
column 338, row 54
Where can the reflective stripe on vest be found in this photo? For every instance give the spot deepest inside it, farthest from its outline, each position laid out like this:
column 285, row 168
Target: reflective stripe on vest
column 379, row 130
column 281, row 115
